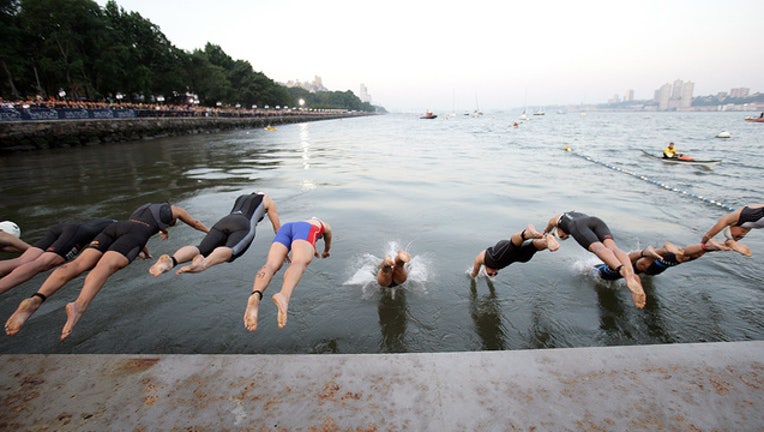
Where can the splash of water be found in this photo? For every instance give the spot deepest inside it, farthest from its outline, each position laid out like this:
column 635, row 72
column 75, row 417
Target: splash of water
column 367, row 265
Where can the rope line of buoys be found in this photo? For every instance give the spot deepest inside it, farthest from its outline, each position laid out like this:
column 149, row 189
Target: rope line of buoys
column 651, row 181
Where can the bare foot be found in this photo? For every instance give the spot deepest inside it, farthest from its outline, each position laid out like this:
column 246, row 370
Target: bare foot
column 713, row 245
column 637, row 293
column 250, row 315
column 26, row 308
column 282, row 304
column 531, row 233
column 402, row 257
column 198, row 264
column 73, row 314
column 649, row 251
column 739, row 247
column 163, row 264
column 551, row 243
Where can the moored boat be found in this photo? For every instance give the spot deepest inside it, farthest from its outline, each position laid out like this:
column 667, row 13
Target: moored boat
column 428, row 115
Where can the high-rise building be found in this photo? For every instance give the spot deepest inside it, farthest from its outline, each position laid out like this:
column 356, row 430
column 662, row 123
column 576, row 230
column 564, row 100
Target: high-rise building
column 364, row 94
column 676, row 96
column 663, row 96
column 740, row 92
column 686, row 99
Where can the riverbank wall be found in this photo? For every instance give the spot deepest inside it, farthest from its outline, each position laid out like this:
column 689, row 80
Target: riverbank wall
column 18, row 136
column 677, row 387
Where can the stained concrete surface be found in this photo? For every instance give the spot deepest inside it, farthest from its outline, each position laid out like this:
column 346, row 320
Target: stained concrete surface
column 679, row 387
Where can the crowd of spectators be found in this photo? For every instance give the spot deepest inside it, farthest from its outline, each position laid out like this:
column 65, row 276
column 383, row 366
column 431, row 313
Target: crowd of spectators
column 156, row 109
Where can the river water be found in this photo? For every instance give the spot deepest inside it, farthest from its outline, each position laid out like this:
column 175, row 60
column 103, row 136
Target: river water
column 444, row 189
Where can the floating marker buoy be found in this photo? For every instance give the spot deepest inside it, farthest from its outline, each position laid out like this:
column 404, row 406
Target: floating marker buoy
column 724, row 134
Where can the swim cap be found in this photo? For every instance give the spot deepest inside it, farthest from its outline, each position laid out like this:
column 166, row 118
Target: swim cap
column 11, row 228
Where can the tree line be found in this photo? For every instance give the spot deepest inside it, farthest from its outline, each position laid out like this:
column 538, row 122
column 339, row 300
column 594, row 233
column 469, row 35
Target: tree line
column 75, row 49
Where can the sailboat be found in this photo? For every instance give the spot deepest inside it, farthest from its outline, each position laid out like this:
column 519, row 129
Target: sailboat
column 477, row 112
column 540, row 112
column 524, row 116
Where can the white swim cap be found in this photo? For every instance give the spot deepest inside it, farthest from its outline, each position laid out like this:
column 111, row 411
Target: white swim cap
column 11, row 228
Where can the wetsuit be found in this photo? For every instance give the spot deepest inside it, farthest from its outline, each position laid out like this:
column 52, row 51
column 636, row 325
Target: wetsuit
column 303, row 230
column 584, row 228
column 751, row 218
column 68, row 238
column 656, row 268
column 128, row 237
column 236, row 230
column 505, row 253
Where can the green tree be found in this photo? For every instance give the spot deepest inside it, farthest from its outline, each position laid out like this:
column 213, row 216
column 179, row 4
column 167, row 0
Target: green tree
column 62, row 39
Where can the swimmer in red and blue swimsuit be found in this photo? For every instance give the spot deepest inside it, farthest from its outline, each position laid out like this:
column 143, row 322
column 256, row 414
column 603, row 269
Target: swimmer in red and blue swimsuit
column 299, row 238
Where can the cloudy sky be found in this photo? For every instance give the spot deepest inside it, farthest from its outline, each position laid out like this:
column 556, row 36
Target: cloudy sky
column 459, row 55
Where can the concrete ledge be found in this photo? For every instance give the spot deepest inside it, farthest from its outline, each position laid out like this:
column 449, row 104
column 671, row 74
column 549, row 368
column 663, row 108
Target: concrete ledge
column 18, row 136
column 683, row 387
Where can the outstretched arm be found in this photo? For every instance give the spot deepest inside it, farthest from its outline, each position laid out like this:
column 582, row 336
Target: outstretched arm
column 10, row 243
column 552, row 223
column 479, row 260
column 723, row 222
column 327, row 240
column 182, row 214
column 273, row 213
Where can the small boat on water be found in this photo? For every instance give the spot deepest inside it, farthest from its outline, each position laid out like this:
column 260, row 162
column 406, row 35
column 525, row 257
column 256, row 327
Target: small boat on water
column 755, row 119
column 684, row 160
column 428, row 115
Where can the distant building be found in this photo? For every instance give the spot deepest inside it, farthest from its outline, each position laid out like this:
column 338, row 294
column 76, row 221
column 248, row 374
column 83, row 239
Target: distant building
column 316, row 85
column 676, row 96
column 629, row 96
column 663, row 96
column 364, row 94
column 741, row 92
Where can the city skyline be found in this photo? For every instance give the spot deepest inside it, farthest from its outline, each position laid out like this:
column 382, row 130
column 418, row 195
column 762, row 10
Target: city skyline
column 489, row 55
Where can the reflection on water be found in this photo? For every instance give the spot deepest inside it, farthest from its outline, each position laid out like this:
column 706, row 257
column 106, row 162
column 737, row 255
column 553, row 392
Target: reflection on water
column 486, row 316
column 392, row 319
column 443, row 190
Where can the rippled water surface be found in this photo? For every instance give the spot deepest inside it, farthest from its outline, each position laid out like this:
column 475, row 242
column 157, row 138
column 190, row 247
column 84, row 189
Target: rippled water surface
column 444, row 189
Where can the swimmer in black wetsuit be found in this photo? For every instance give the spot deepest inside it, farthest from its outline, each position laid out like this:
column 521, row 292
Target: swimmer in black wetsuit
column 391, row 272
column 652, row 262
column 736, row 225
column 519, row 248
column 111, row 250
column 227, row 240
column 594, row 235
column 60, row 243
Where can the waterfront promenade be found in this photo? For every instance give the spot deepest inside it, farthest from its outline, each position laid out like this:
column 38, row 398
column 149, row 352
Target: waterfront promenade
column 678, row 387
column 41, row 128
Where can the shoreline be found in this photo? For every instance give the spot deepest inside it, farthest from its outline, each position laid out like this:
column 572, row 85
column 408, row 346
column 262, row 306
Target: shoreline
column 33, row 135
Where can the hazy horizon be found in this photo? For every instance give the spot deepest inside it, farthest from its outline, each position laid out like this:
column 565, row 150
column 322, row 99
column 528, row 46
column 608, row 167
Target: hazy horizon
column 428, row 55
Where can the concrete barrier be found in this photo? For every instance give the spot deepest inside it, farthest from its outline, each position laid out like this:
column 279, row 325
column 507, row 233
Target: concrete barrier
column 681, row 387
column 41, row 134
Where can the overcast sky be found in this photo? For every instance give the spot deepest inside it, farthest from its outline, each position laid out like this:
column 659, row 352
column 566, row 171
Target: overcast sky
column 458, row 55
